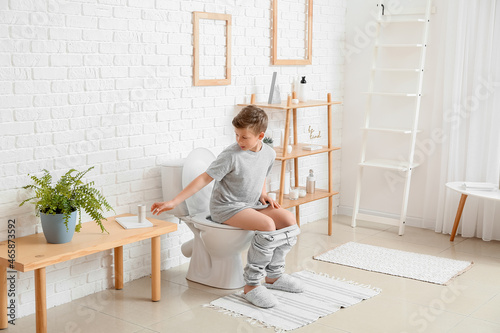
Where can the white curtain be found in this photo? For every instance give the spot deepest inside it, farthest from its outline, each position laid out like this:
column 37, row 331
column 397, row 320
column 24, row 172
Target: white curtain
column 470, row 109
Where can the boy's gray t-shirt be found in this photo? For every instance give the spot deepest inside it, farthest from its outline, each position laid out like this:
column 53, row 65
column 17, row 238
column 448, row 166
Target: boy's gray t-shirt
column 239, row 178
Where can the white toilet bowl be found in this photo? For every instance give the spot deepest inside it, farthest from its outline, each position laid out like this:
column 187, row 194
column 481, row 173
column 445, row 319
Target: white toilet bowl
column 216, row 248
column 215, row 252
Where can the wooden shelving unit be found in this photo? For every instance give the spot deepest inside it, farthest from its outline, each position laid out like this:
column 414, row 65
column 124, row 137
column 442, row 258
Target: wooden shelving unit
column 298, row 152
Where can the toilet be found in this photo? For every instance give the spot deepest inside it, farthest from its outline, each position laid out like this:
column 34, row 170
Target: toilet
column 215, row 250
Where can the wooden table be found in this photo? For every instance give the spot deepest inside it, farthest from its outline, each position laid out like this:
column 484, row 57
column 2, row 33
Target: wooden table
column 34, row 253
column 458, row 186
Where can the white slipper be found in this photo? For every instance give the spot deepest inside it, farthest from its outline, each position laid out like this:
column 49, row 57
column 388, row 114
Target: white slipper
column 261, row 297
column 286, row 283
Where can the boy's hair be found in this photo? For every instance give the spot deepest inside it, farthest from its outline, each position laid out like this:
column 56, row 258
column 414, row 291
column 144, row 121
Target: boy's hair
column 251, row 117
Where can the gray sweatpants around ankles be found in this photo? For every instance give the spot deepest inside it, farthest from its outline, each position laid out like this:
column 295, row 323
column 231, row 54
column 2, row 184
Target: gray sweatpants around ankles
column 267, row 253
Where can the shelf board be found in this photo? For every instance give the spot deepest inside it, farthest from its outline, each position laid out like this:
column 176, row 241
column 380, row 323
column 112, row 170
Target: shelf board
column 388, row 164
column 297, row 151
column 389, row 130
column 318, row 194
column 283, row 105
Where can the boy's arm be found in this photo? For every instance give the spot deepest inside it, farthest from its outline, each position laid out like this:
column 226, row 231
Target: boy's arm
column 197, row 184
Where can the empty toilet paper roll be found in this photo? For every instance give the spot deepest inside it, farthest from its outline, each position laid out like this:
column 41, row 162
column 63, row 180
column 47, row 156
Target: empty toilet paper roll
column 141, row 213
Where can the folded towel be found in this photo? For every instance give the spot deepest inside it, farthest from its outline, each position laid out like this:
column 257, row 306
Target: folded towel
column 132, row 222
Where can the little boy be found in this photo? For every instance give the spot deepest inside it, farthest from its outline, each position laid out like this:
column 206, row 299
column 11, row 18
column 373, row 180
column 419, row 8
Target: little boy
column 239, row 199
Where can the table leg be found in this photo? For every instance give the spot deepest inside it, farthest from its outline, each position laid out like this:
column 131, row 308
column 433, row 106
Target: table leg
column 155, row 269
column 459, row 215
column 40, row 301
column 118, row 267
column 4, row 321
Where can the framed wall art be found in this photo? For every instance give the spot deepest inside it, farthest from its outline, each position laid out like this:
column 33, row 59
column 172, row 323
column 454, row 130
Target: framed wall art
column 292, row 32
column 211, row 49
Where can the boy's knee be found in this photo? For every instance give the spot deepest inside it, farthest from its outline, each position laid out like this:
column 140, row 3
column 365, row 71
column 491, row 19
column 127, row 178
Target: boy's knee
column 267, row 224
column 290, row 218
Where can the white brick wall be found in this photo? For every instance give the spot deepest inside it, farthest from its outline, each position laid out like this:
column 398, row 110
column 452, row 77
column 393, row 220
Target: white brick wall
column 108, row 83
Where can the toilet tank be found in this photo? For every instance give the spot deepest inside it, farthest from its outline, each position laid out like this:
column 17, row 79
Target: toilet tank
column 196, row 163
column 171, row 184
column 177, row 174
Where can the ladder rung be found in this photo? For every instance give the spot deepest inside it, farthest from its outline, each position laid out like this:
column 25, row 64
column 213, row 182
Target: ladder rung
column 388, row 164
column 377, row 219
column 411, row 11
column 396, row 69
column 399, row 45
column 391, row 94
column 390, row 130
column 401, row 20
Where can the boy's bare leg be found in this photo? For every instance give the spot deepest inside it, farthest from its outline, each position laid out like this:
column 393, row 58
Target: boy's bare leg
column 282, row 218
column 251, row 219
column 267, row 219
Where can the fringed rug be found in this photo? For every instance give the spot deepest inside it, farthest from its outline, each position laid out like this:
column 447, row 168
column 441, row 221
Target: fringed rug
column 394, row 262
column 322, row 296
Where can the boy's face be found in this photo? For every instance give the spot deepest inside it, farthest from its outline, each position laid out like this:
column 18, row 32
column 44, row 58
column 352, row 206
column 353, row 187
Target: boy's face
column 247, row 139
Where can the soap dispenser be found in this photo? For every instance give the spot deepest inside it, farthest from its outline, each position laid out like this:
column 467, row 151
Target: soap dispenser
column 311, row 182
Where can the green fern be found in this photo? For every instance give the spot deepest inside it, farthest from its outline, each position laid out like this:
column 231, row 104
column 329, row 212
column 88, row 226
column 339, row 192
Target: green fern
column 66, row 196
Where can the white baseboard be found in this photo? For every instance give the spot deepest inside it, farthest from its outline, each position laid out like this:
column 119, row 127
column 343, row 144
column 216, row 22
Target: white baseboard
column 410, row 220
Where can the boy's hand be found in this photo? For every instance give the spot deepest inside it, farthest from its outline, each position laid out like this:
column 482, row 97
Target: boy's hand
column 264, row 198
column 159, row 207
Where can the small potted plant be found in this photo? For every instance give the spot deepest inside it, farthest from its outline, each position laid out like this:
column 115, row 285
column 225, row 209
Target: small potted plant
column 269, row 141
column 57, row 205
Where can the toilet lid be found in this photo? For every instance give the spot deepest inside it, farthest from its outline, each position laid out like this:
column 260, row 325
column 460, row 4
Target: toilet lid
column 195, row 164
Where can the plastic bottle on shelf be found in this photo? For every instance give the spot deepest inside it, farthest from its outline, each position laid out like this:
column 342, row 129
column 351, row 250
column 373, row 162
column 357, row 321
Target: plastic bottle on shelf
column 311, row 182
column 302, row 90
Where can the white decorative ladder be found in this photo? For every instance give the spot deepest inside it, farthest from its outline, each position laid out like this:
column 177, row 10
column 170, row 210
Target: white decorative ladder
column 406, row 166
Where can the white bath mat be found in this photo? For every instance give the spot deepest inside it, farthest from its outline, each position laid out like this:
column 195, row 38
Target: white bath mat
column 322, row 296
column 394, row 262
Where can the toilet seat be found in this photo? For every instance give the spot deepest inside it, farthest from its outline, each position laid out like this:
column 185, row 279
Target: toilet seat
column 201, row 218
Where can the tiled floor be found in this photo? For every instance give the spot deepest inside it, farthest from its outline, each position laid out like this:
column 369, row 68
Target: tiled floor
column 470, row 304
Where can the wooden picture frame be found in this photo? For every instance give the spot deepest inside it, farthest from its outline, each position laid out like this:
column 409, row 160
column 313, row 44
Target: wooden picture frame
column 308, row 43
column 197, row 16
